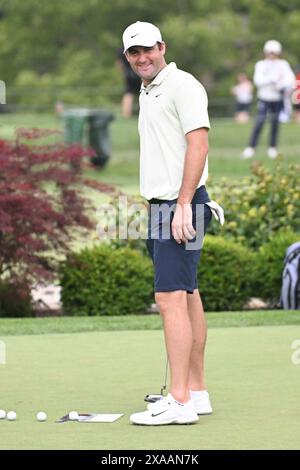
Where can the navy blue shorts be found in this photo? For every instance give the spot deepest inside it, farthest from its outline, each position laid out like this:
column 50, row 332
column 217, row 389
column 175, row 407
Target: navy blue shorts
column 175, row 265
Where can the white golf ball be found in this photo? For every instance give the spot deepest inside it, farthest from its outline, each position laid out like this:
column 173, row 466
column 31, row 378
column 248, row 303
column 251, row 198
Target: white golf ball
column 73, row 415
column 2, row 414
column 11, row 415
column 41, row 416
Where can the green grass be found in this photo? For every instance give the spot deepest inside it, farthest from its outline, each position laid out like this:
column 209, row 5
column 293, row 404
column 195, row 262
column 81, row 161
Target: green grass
column 253, row 383
column 227, row 140
column 49, row 325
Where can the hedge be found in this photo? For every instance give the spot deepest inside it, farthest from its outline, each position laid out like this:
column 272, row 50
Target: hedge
column 224, row 274
column 114, row 281
column 106, row 281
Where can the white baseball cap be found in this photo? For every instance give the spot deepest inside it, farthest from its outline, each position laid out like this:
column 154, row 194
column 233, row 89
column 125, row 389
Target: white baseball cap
column 141, row 34
column 272, row 46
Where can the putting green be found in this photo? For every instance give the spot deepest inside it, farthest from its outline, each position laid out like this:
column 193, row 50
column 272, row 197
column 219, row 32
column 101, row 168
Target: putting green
column 254, row 386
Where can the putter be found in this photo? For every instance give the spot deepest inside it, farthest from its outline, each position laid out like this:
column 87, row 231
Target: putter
column 155, row 397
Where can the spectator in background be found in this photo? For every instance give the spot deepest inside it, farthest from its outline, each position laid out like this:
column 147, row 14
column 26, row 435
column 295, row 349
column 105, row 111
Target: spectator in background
column 59, row 108
column 273, row 78
column 243, row 93
column 296, row 99
column 132, row 84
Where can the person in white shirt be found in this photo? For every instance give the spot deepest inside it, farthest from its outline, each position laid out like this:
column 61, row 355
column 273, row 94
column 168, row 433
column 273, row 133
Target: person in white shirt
column 173, row 127
column 243, row 92
column 274, row 79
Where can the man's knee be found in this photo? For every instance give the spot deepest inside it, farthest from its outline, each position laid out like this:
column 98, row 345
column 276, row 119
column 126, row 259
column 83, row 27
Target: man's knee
column 167, row 300
column 163, row 300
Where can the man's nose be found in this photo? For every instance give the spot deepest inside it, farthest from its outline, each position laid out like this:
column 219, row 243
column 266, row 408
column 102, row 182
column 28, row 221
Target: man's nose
column 142, row 57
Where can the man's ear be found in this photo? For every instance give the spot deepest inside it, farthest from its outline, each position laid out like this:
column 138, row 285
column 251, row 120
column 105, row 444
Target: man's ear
column 162, row 46
column 126, row 55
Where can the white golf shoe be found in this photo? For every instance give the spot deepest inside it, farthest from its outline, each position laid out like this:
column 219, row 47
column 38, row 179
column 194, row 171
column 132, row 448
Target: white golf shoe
column 248, row 152
column 157, row 404
column 272, row 152
column 201, row 402
column 167, row 411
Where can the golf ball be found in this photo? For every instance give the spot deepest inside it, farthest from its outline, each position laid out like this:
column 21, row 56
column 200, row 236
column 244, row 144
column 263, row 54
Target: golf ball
column 41, row 416
column 2, row 414
column 73, row 415
column 11, row 415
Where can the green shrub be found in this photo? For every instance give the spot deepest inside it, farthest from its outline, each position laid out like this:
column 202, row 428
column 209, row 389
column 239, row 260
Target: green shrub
column 259, row 206
column 137, row 218
column 117, row 281
column 268, row 265
column 15, row 300
column 106, row 281
column 224, row 274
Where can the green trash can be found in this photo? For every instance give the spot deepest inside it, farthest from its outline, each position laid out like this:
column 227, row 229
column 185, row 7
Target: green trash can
column 76, row 120
column 99, row 135
column 74, row 125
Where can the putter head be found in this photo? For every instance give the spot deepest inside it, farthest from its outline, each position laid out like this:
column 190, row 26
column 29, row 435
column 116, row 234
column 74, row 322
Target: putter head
column 153, row 398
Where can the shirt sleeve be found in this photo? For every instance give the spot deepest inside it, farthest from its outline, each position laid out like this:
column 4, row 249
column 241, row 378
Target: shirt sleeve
column 288, row 79
column 191, row 105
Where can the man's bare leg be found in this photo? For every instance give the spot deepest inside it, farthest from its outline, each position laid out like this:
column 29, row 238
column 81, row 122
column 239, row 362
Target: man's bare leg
column 179, row 340
column 199, row 329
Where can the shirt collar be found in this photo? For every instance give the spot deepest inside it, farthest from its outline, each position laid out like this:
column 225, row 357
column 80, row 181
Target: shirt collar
column 161, row 75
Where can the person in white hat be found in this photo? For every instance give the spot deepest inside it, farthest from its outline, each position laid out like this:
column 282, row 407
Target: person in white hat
column 274, row 80
column 173, row 128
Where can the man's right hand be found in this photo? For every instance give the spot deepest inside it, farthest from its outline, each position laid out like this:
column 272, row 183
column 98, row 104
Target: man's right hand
column 182, row 226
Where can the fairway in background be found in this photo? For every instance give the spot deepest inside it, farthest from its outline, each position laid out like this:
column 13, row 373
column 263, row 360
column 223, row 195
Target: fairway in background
column 227, row 140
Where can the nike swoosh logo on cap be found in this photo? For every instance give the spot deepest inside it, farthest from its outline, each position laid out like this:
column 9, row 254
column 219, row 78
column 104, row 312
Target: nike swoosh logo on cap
column 134, row 35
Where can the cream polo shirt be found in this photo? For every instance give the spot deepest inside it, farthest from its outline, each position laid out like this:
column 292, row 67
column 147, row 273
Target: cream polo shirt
column 172, row 105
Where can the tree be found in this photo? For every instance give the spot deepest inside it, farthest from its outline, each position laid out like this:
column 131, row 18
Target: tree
column 55, row 47
column 42, row 209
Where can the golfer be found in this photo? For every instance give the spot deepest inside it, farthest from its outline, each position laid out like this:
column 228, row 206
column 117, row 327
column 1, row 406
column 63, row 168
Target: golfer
column 275, row 81
column 173, row 127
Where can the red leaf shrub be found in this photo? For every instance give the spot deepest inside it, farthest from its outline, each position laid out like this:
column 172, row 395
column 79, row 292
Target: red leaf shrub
column 42, row 208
